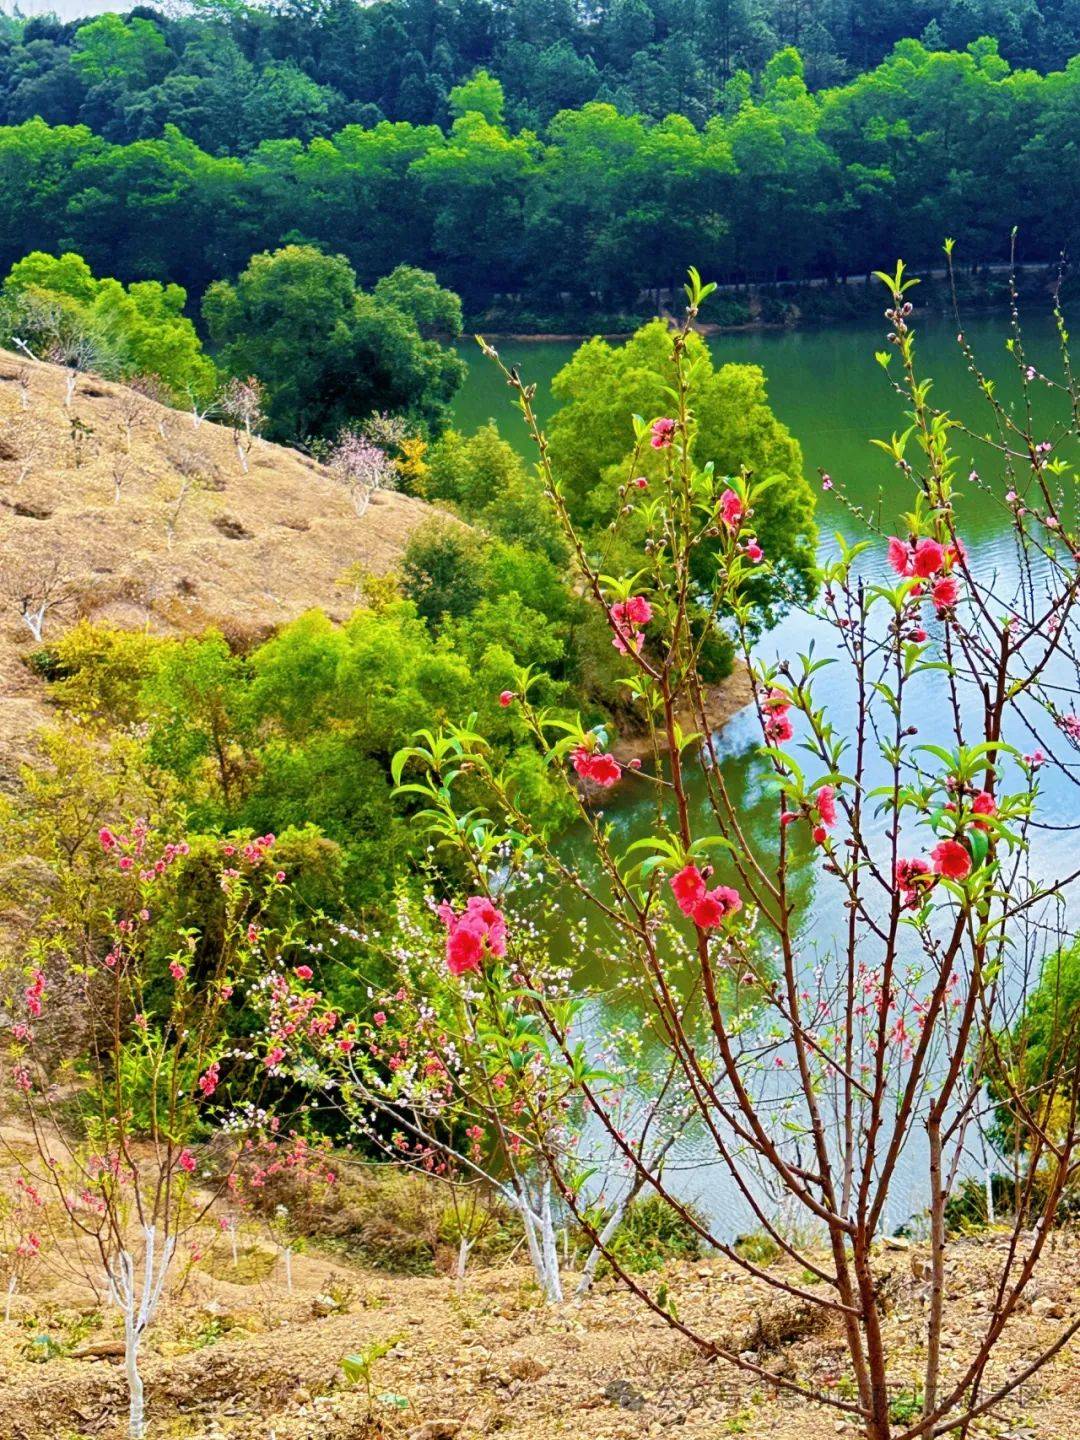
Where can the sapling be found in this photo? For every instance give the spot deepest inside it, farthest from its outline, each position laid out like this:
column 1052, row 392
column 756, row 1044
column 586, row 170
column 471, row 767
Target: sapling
column 37, row 586
column 359, row 1368
column 241, row 402
column 127, row 1180
column 889, row 1039
column 361, row 466
column 22, row 1226
column 120, row 468
column 448, row 1074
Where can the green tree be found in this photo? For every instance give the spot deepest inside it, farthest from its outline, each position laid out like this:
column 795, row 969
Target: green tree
column 142, row 328
column 442, row 571
column 326, row 351
column 131, row 52
column 481, row 94
column 591, row 444
column 487, row 481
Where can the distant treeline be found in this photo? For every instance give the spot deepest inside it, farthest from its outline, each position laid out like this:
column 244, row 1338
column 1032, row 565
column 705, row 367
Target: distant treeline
column 234, row 74
column 785, row 182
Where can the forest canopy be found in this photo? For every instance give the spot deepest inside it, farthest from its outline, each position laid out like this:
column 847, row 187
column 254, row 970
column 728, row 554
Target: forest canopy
column 772, row 179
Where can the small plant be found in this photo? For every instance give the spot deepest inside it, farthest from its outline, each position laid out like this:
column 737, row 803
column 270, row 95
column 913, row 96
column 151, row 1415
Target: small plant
column 80, row 439
column 359, row 1368
column 651, row 1234
column 757, row 1249
column 907, row 1406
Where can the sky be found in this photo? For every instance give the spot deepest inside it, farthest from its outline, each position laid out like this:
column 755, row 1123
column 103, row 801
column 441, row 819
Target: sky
column 67, row 9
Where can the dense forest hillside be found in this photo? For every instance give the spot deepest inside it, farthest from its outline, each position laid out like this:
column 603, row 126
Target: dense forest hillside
column 176, row 149
column 232, row 75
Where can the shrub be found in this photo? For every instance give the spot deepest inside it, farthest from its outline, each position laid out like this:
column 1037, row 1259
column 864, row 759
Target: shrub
column 651, row 1234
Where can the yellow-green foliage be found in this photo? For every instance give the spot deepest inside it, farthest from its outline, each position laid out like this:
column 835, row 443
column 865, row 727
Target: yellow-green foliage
column 139, row 329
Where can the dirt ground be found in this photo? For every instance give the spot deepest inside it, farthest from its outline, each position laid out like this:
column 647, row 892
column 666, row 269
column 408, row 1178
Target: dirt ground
column 149, row 520
column 250, row 1361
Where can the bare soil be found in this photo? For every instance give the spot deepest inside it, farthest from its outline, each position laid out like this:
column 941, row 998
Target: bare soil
column 193, row 540
column 723, row 701
column 250, row 1361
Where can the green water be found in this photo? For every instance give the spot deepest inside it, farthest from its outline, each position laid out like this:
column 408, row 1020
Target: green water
column 824, row 384
column 828, row 388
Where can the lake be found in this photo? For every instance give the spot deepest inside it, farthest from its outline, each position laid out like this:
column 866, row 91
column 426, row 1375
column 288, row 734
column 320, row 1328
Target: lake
column 829, row 390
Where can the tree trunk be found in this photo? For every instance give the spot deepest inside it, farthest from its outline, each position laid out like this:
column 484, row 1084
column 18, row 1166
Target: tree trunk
column 937, row 1267
column 553, row 1282
column 464, row 1246
column 138, row 1310
column 136, row 1405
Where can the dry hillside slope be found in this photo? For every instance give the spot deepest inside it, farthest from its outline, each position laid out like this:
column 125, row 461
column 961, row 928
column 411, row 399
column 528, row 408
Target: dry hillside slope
column 124, row 510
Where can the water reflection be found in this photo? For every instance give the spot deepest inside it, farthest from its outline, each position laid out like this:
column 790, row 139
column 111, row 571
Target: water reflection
column 831, row 392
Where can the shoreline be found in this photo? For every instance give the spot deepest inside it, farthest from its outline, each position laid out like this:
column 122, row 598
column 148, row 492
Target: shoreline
column 723, row 702
column 539, row 337
column 795, row 321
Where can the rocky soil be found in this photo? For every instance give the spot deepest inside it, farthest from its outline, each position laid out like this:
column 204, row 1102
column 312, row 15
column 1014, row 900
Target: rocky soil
column 242, row 1359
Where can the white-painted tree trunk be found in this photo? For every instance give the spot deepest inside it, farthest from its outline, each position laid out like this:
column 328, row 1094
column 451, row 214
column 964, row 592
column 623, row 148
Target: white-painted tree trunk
column 540, row 1237
column 607, row 1234
column 34, row 620
column 138, row 1306
column 7, row 1302
column 464, row 1246
column 232, row 1237
column 532, row 1240
column 550, row 1248
column 287, row 1257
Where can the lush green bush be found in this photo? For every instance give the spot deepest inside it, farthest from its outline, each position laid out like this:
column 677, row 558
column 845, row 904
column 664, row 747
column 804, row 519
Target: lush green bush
column 326, row 351
column 592, row 444
column 728, row 310
column 56, row 306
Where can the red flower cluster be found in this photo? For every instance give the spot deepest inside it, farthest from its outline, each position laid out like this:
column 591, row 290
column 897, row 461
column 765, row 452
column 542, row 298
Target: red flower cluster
column 628, row 616
column 732, row 510
column 778, row 727
column 602, row 770
column 480, row 930
column 913, row 878
column 704, row 906
column 33, row 993
column 924, row 559
column 825, row 804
